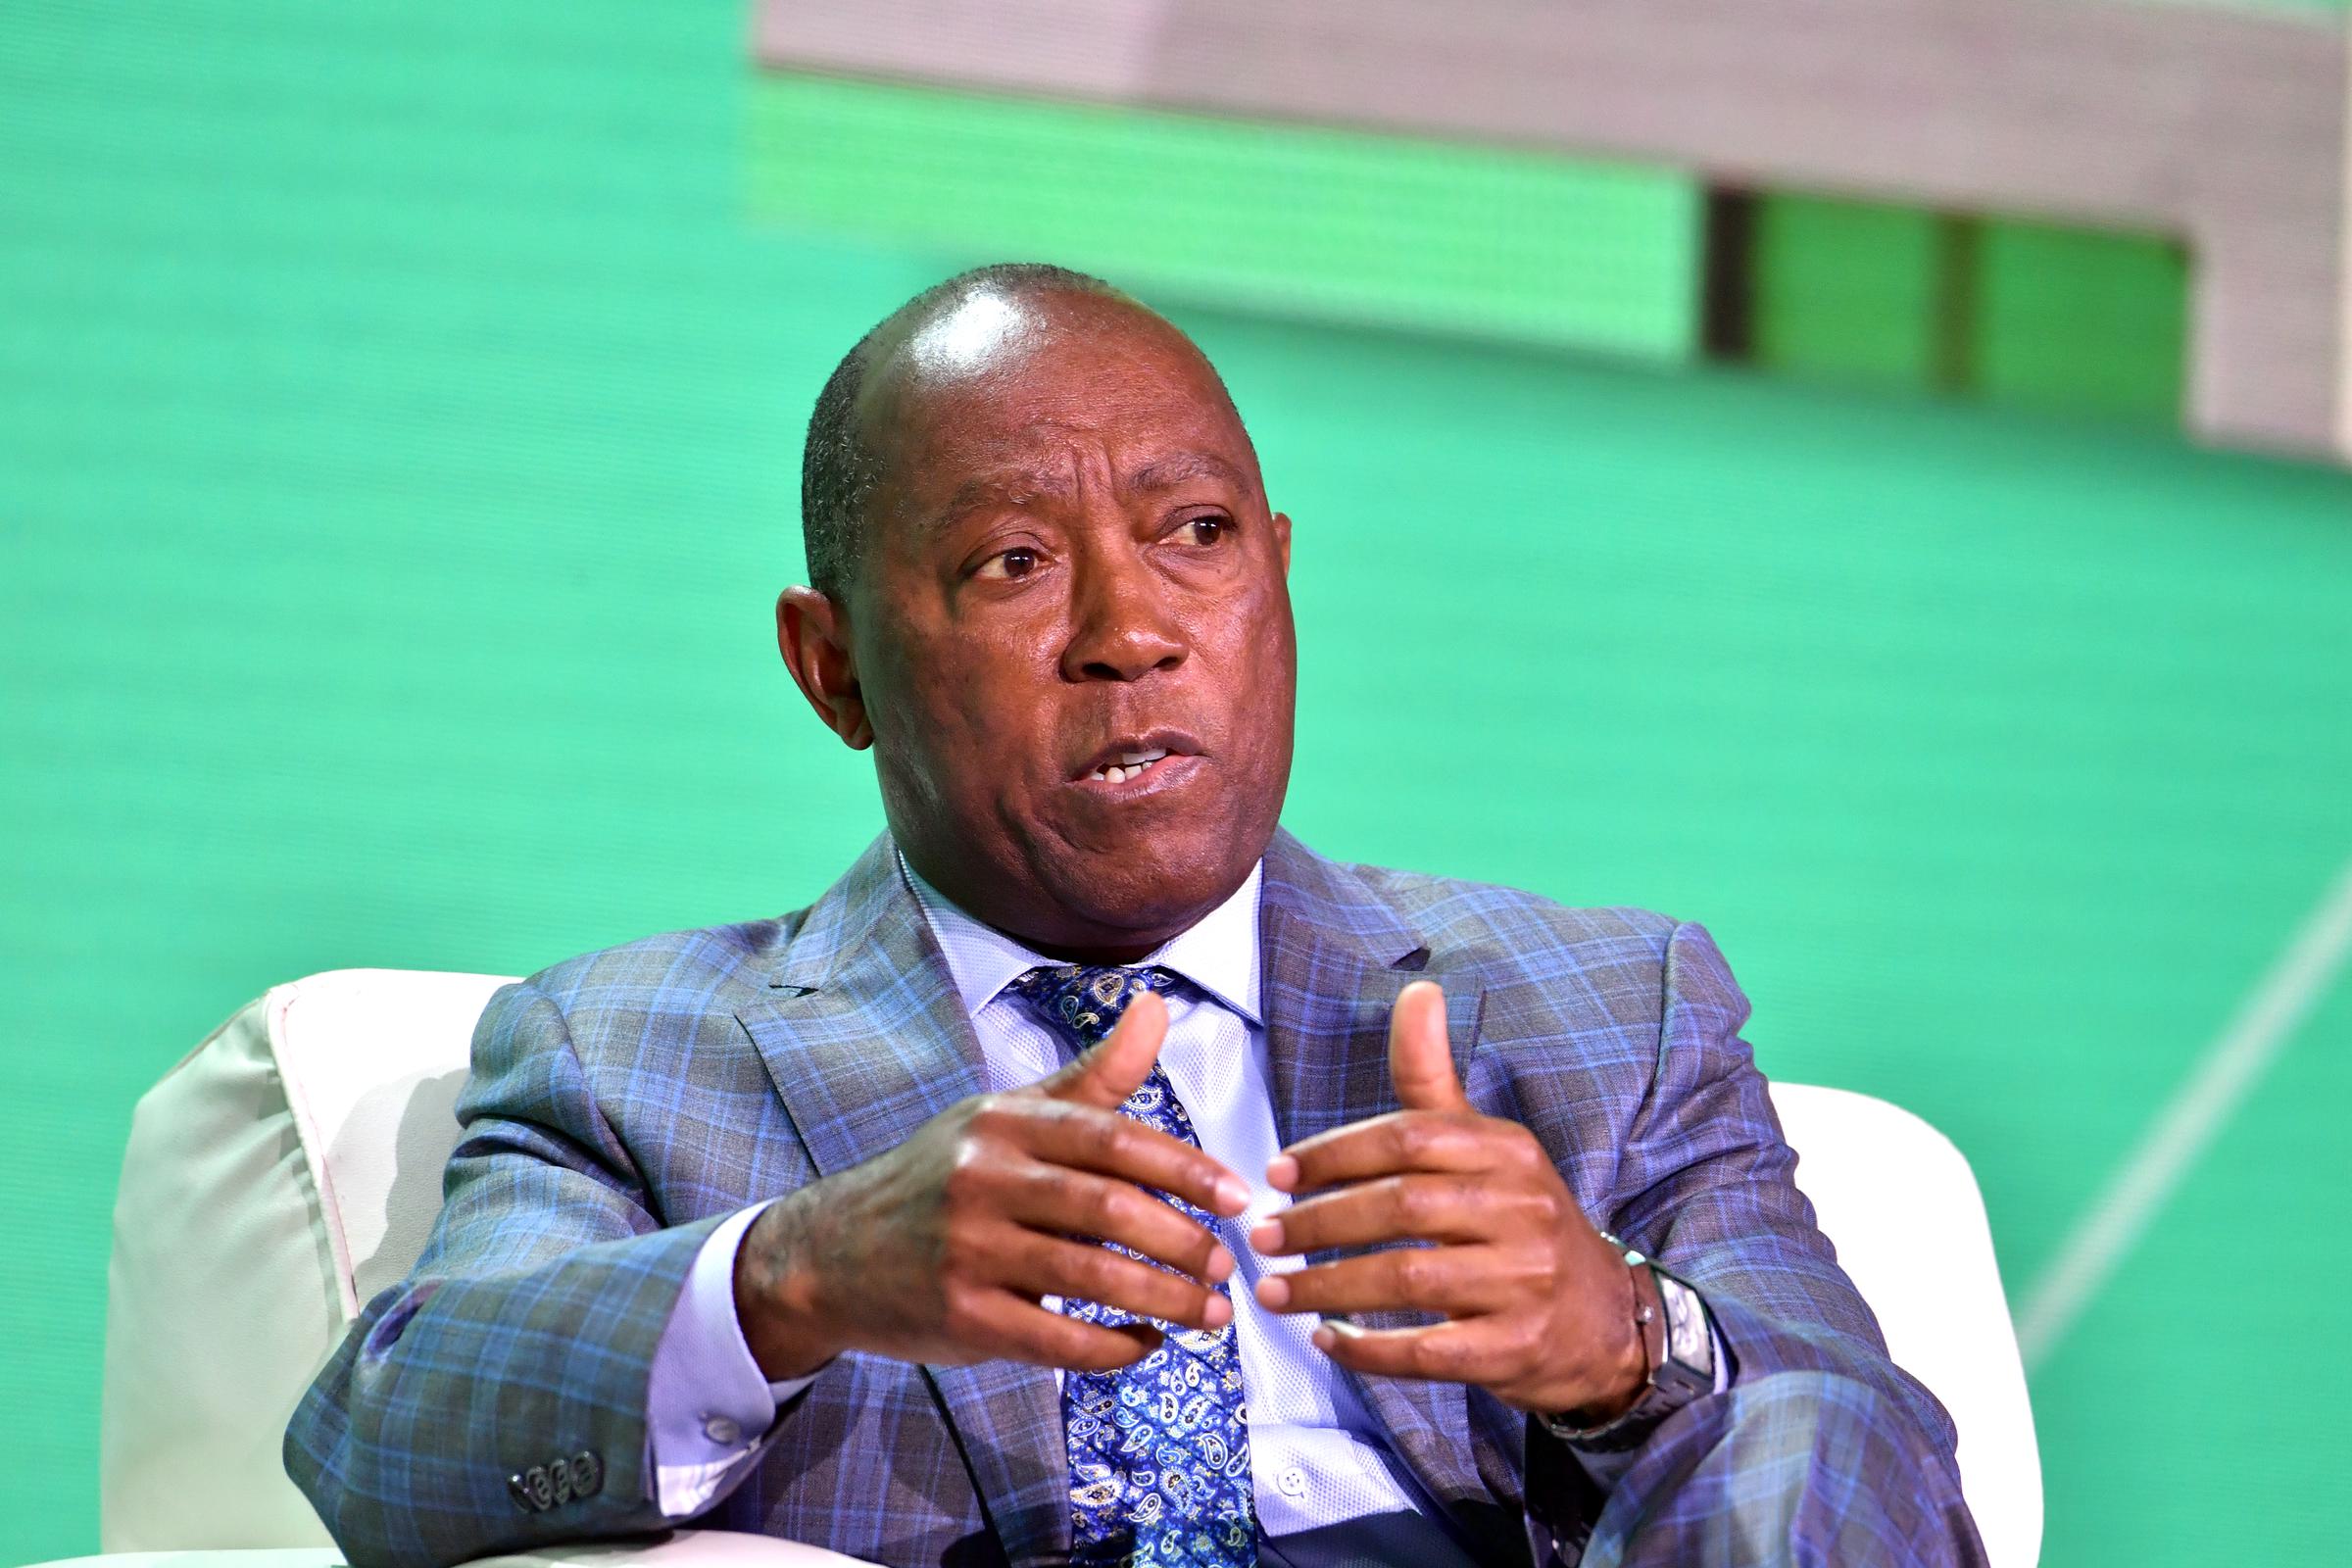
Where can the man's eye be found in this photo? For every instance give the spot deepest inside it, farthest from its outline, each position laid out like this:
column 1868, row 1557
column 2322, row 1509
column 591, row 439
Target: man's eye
column 1210, row 530
column 1009, row 565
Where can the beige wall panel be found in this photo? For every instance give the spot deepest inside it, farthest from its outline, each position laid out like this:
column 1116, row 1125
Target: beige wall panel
column 2343, row 356
column 2225, row 129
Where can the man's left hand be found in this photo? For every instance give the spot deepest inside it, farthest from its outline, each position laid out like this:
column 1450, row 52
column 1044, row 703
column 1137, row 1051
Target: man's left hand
column 1539, row 1309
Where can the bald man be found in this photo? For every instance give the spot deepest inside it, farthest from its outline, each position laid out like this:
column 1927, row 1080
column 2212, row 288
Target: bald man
column 1094, row 1173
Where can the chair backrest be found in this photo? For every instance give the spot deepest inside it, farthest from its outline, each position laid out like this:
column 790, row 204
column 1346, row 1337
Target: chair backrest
column 280, row 1175
column 289, row 1168
column 1903, row 1207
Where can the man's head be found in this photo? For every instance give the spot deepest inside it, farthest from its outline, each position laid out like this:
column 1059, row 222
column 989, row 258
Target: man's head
column 1040, row 544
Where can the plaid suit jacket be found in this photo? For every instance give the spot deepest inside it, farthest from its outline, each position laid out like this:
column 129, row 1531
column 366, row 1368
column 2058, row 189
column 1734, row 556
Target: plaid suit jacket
column 624, row 1101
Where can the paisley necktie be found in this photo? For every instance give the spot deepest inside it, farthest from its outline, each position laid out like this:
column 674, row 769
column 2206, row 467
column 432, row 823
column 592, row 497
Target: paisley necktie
column 1159, row 1451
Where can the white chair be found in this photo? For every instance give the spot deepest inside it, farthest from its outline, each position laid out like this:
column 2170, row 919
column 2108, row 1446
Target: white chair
column 290, row 1168
column 1899, row 1202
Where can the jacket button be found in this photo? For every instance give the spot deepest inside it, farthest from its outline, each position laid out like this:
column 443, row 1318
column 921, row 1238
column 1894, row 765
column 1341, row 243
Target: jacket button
column 520, row 1490
column 559, row 1477
column 587, row 1474
column 541, row 1485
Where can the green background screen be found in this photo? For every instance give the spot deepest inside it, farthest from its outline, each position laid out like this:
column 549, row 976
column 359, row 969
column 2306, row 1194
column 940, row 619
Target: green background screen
column 399, row 413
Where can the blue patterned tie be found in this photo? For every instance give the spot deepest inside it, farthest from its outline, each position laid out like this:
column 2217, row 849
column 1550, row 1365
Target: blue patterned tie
column 1159, row 1451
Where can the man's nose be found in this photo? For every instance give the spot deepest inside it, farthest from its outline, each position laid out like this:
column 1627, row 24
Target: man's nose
column 1123, row 630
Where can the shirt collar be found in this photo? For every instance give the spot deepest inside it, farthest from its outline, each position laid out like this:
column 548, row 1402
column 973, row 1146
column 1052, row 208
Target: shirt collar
column 1218, row 953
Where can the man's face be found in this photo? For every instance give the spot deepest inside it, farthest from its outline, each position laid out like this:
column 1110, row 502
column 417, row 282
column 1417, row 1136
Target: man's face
column 1071, row 626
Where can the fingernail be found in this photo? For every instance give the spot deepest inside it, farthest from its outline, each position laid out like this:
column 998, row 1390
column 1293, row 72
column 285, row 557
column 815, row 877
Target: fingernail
column 1233, row 1194
column 1273, row 1293
column 1267, row 1238
column 1282, row 1172
column 1221, row 1265
column 1323, row 1338
column 1218, row 1313
column 1339, row 1325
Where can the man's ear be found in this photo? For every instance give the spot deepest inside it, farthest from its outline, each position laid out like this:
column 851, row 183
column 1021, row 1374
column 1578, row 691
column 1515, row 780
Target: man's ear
column 813, row 633
column 1282, row 536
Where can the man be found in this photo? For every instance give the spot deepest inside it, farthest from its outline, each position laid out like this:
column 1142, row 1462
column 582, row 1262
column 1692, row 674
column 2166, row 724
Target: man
column 1094, row 1173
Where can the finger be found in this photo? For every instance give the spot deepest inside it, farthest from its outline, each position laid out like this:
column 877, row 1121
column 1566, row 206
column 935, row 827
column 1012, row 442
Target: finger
column 1087, row 1137
column 1050, row 1265
column 1109, row 1072
column 1453, row 1280
column 1487, row 1351
column 1400, row 1209
column 1387, row 1146
column 1420, row 1057
column 1074, row 1203
column 1020, row 1330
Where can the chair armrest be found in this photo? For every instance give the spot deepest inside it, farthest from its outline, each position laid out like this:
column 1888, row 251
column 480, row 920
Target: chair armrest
column 206, row 1557
column 680, row 1548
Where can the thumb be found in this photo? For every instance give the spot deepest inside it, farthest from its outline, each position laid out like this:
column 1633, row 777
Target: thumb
column 1115, row 1068
column 1420, row 1057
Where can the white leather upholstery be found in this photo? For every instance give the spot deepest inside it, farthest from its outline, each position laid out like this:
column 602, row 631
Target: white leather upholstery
column 289, row 1168
column 681, row 1548
column 1902, row 1206
column 284, row 1172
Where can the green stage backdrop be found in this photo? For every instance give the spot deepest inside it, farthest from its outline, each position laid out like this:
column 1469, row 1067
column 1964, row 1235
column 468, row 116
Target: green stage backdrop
column 399, row 423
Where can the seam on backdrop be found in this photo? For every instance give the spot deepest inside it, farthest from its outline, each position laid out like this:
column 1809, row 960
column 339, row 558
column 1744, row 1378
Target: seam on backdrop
column 2225, row 1074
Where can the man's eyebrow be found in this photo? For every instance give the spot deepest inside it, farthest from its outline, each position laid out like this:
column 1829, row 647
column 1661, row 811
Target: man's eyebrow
column 1174, row 469
column 1020, row 484
column 999, row 485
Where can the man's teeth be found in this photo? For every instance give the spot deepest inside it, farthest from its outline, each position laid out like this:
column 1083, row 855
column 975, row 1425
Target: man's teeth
column 1130, row 765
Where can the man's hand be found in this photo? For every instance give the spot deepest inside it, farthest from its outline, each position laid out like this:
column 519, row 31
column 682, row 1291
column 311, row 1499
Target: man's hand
column 1540, row 1308
column 939, row 1249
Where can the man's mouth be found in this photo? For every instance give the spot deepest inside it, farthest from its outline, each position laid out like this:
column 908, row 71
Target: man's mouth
column 1130, row 758
column 1130, row 765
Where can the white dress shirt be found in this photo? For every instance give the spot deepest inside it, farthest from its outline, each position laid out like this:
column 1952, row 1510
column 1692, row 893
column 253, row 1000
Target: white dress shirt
column 1316, row 1454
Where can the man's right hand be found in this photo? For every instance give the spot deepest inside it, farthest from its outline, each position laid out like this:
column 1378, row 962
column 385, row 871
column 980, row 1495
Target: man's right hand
column 939, row 1249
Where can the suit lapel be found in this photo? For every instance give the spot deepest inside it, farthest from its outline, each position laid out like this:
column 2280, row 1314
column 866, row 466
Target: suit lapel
column 1334, row 958
column 865, row 1040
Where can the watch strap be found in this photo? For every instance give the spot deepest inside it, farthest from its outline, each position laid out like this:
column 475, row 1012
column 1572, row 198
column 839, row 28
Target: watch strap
column 1669, row 1382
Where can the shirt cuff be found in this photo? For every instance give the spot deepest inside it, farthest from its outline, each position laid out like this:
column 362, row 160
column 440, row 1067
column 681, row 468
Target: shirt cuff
column 707, row 1407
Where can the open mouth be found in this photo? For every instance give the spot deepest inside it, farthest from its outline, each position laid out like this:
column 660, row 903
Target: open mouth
column 1130, row 765
column 1134, row 759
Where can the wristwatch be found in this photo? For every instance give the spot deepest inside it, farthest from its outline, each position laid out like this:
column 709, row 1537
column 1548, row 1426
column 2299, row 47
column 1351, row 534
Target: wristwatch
column 1678, row 1346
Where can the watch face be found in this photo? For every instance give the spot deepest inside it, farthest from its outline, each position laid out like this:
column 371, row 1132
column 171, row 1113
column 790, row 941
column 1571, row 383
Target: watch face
column 1687, row 1338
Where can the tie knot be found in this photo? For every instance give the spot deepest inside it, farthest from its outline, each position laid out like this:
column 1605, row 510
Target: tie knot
column 1085, row 1002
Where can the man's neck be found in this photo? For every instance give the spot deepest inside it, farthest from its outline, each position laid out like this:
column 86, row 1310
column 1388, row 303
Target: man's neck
column 1220, row 953
column 1067, row 940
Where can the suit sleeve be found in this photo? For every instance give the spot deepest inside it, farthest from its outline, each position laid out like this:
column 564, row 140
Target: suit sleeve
column 1705, row 1183
column 1708, row 1188
column 497, row 1397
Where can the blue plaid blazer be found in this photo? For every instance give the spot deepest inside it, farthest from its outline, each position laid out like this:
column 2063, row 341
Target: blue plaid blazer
column 624, row 1101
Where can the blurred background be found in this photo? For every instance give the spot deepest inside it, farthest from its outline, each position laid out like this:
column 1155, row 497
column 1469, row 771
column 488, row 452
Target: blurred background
column 1865, row 474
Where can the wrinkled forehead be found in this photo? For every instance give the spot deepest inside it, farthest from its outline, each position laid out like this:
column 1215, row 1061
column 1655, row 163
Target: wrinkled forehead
column 1008, row 377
